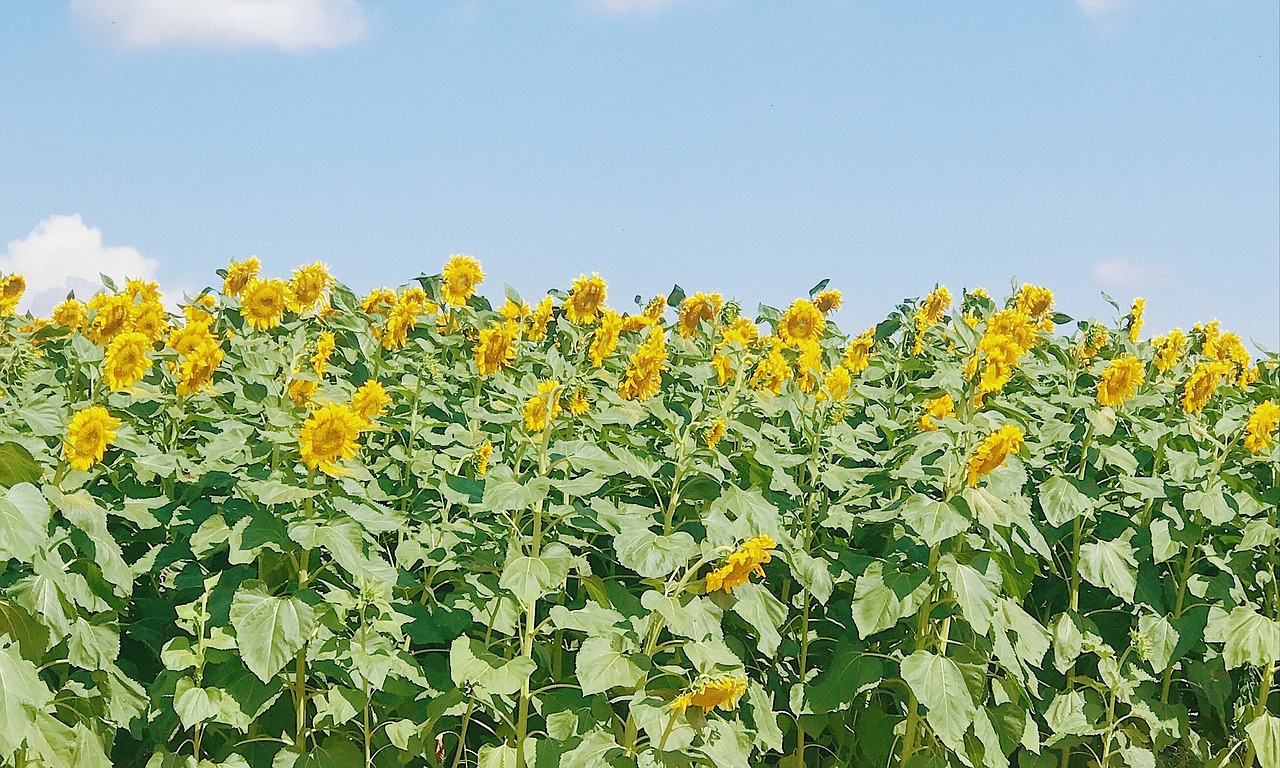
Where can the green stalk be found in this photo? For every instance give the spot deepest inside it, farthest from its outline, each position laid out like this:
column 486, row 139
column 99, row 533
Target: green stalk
column 1077, row 537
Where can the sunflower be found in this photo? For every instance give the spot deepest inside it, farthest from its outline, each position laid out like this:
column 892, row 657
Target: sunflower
column 741, row 331
column 71, row 313
column 1202, row 384
column 605, row 340
column 1135, row 318
column 484, row 454
column 110, row 318
column 461, row 276
column 585, row 299
column 196, row 371
column 828, row 301
column 90, row 432
column 800, row 323
column 1119, row 381
column 723, row 692
column 993, row 452
column 1168, row 349
column 858, row 354
column 695, row 309
column 541, row 409
column 537, row 322
column 306, row 289
column 324, row 350
column 1034, row 300
column 330, row 434
column 370, row 400
column 264, row 302
column 837, row 383
column 126, row 361
column 497, row 347
column 302, row 390
column 239, row 273
column 1261, row 426
column 11, row 289
column 747, row 560
column 715, row 433
column 644, row 374
column 940, row 407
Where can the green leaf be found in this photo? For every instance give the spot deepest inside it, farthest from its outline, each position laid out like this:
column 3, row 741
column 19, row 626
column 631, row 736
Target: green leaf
column 813, row 575
column 527, row 578
column 17, row 465
column 1212, row 504
column 1066, row 716
column 24, row 522
column 1264, row 735
column 935, row 521
column 939, row 684
column 269, row 630
column 195, row 705
column 974, row 589
column 595, row 749
column 1062, row 502
column 653, row 556
column 876, row 607
column 1246, row 636
column 1111, row 565
column 759, row 608
column 605, row 662
column 24, row 695
column 1158, row 638
column 470, row 664
column 503, row 493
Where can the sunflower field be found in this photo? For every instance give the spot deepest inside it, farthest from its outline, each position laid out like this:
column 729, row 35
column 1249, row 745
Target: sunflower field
column 291, row 526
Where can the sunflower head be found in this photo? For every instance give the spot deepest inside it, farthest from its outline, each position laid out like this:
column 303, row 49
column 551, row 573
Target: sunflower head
column 330, row 434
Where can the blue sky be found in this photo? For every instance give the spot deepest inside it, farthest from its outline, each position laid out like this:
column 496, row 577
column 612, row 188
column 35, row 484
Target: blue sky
column 743, row 146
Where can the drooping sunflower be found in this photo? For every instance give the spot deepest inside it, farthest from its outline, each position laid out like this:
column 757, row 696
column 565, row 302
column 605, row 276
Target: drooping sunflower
column 828, row 301
column 1202, row 384
column 939, row 407
column 749, row 559
column 857, row 356
column 536, row 330
column 370, row 400
column 643, row 378
column 1119, row 381
column 541, row 409
column 994, row 451
column 111, row 313
column 837, row 383
column 772, row 371
column 1261, row 427
column 329, row 435
column 126, row 361
column 715, row 433
column 484, row 454
column 325, row 345
column 723, row 692
column 89, row 434
column 1169, row 349
column 585, row 299
column 802, row 322
column 1035, row 301
column 264, row 302
column 1135, row 318
column 741, row 331
column 460, row 277
column 605, row 340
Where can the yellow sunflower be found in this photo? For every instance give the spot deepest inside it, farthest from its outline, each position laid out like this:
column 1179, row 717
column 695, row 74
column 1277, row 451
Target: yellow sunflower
column 126, row 361
column 90, row 432
column 585, row 299
column 461, row 276
column 330, row 434
column 264, row 302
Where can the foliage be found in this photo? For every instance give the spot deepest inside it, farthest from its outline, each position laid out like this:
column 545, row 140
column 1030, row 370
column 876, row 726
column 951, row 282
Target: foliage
column 328, row 531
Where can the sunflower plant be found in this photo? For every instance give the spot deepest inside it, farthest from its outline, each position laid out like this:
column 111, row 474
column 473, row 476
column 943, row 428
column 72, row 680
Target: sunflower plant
column 293, row 526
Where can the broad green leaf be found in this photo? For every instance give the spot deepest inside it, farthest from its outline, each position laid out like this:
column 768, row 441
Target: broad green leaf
column 504, row 493
column 595, row 749
column 1246, row 636
column 25, row 694
column 813, row 575
column 1212, row 504
column 24, row 522
column 1066, row 716
column 1157, row 639
column 527, row 578
column 1110, row 565
column 470, row 664
column 194, row 704
column 1062, row 502
column 17, row 465
column 759, row 608
column 935, row 521
column 974, row 590
column 1264, row 735
column 1067, row 642
column 269, row 630
column 604, row 663
column 651, row 555
column 875, row 606
column 939, row 684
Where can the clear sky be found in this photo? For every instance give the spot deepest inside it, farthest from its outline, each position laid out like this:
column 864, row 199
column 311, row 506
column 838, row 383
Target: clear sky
column 742, row 146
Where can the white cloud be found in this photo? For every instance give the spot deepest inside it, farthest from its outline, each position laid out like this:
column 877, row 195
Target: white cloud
column 62, row 254
column 631, row 7
column 294, row 26
column 1121, row 272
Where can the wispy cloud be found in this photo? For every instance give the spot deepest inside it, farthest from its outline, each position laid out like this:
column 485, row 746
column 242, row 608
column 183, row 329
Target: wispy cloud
column 1122, row 272
column 62, row 254
column 295, row 26
column 631, row 7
